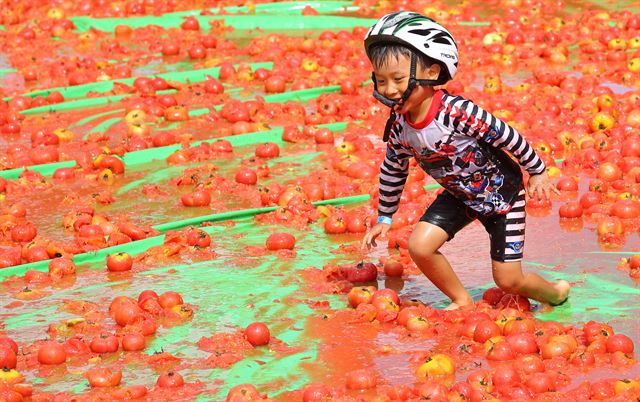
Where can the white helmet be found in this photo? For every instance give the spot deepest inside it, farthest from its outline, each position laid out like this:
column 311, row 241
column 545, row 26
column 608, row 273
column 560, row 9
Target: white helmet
column 421, row 34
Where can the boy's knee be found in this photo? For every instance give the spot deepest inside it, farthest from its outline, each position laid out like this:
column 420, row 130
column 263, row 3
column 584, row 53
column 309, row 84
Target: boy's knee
column 420, row 249
column 509, row 283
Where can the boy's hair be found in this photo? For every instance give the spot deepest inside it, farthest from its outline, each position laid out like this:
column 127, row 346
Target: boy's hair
column 381, row 53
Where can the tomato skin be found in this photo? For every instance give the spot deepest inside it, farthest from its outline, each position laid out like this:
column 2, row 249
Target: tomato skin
column 119, row 262
column 103, row 377
column 361, row 379
column 170, row 299
column 8, row 357
column 130, row 392
column 51, row 353
column 619, row 342
column 243, row 393
column 198, row 238
column 268, row 150
column 257, row 334
column 104, row 344
column 24, row 232
column 281, row 241
column 360, row 272
column 133, row 342
column 171, row 379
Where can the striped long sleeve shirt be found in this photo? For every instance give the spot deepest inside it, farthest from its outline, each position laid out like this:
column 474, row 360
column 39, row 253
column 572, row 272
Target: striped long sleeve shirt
column 461, row 146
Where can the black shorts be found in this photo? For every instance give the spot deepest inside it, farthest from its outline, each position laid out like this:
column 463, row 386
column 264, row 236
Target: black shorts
column 506, row 231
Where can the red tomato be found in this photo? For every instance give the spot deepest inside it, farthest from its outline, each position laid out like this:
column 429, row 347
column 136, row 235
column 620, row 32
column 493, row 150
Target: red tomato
column 190, row 24
column 133, row 342
column 243, row 393
column 104, row 344
column 127, row 314
column 61, row 266
column 176, row 113
column 540, row 382
column 484, row 330
column 103, row 377
column 359, row 294
column 52, row 353
column 281, row 241
column 119, row 262
column 8, row 357
column 619, row 342
column 361, row 379
column 169, row 299
column 393, row 268
column 275, row 84
column 316, row 393
column 198, row 238
column 567, row 184
column 523, row 343
column 335, row 224
column 257, row 334
column 130, row 393
column 324, row 136
column 171, row 379
column 8, row 342
column 505, row 376
column 570, row 210
column 246, row 176
column 213, row 86
column 360, row 272
column 268, row 150
column 595, row 330
column 23, row 232
column 145, row 294
column 493, row 295
column 199, row 198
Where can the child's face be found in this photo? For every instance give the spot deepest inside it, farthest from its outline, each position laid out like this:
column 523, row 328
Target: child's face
column 393, row 79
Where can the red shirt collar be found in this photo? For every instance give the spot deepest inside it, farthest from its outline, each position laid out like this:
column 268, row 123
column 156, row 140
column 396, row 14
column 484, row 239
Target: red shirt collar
column 431, row 114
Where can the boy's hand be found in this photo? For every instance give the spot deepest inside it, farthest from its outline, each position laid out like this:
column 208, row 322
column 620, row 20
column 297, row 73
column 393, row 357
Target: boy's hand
column 377, row 230
column 541, row 186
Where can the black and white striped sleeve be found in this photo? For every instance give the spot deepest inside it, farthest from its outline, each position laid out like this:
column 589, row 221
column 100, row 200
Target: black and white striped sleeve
column 393, row 174
column 485, row 127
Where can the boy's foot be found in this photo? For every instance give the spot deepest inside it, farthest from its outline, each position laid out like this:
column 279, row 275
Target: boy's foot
column 562, row 288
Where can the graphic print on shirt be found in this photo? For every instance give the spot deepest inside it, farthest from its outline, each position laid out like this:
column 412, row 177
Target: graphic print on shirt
column 461, row 148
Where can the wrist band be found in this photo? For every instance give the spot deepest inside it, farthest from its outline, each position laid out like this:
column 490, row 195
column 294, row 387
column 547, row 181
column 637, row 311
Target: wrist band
column 385, row 219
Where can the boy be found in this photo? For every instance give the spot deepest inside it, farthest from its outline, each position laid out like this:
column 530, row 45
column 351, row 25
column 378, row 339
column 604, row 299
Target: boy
column 461, row 146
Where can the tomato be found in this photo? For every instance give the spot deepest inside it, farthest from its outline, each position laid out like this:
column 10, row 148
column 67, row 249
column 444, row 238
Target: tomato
column 437, row 365
column 517, row 302
column 584, row 359
column 432, row 391
column 127, row 314
column 176, row 113
column 8, row 357
column 104, row 343
column 133, row 342
column 594, row 330
column 292, row 134
column 540, row 382
column 243, row 393
column 484, row 330
column 246, row 176
column 275, row 84
column 198, row 238
column 170, row 299
column 359, row 295
column 316, row 393
column 505, row 376
column 268, row 150
column 608, row 172
column 51, row 353
column 23, row 232
column 8, row 342
column 523, row 343
column 281, row 241
column 393, row 268
column 111, row 162
column 257, row 334
column 360, row 272
column 417, row 324
column 119, row 262
column 190, row 24
column 530, row 364
column 361, row 379
column 519, row 325
column 386, row 293
column 103, row 377
column 493, row 295
column 626, row 209
column 130, row 392
column 570, row 210
column 170, row 379
column 199, row 198
column 324, row 136
column 145, row 294
column 619, row 342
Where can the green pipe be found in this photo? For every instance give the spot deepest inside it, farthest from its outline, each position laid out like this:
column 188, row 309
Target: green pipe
column 78, row 91
column 46, row 169
column 240, row 22
column 282, row 8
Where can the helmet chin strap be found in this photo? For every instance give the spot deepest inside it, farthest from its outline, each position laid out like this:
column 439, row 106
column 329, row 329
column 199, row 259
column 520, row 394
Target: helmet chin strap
column 394, row 105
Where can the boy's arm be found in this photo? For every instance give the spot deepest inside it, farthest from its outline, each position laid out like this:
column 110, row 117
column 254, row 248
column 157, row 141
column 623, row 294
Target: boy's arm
column 393, row 174
column 485, row 127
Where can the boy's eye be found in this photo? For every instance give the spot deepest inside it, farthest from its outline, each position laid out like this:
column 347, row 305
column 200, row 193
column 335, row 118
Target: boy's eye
column 399, row 79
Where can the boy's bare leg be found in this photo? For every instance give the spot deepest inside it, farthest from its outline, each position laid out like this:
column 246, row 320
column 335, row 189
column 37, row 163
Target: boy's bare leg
column 424, row 243
column 510, row 278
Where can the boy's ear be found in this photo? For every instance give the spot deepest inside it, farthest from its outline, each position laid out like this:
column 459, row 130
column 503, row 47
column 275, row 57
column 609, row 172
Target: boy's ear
column 433, row 72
